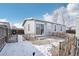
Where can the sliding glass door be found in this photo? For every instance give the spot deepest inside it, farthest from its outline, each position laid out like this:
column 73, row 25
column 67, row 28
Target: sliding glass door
column 39, row 29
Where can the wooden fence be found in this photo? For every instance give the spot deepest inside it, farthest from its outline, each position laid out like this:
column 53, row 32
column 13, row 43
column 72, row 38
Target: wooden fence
column 67, row 47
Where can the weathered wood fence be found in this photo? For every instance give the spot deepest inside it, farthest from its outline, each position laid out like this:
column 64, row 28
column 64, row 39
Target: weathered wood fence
column 68, row 47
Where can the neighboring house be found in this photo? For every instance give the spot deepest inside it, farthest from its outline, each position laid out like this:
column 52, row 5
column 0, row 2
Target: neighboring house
column 4, row 33
column 6, row 25
column 41, row 28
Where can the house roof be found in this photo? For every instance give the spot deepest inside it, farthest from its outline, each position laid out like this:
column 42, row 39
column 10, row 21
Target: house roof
column 39, row 21
column 5, row 23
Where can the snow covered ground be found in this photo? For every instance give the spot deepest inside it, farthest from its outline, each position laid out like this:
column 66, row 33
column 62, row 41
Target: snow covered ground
column 44, row 49
column 20, row 48
column 26, row 48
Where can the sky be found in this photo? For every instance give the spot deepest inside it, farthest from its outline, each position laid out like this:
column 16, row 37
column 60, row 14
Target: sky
column 16, row 13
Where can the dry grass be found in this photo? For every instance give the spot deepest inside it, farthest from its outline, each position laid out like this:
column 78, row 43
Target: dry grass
column 46, row 41
column 40, row 42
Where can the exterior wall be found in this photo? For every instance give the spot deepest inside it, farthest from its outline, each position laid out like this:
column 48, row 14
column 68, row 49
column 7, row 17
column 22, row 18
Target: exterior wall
column 58, row 28
column 53, row 27
column 49, row 28
column 63, row 28
column 31, row 27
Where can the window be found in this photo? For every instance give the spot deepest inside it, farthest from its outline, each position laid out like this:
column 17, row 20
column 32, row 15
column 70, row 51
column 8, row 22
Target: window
column 61, row 28
column 55, row 27
column 39, row 29
column 28, row 27
column 42, row 28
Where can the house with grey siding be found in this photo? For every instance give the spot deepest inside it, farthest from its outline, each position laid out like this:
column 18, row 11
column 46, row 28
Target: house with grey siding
column 35, row 27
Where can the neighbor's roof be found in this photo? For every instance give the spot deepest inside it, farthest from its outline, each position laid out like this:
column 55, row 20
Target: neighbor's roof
column 5, row 23
column 39, row 21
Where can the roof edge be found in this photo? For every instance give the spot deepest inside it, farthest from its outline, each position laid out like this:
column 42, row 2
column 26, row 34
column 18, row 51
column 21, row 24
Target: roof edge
column 40, row 21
